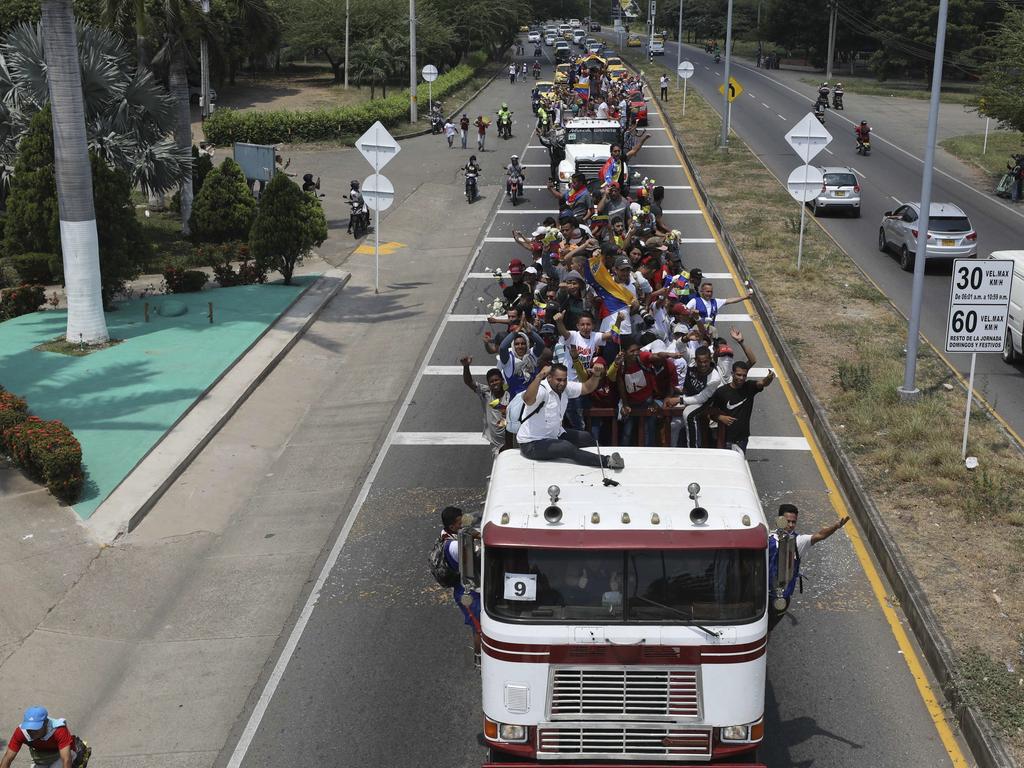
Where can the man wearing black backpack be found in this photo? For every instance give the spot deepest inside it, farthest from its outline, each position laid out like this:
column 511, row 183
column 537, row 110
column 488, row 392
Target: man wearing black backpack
column 444, row 566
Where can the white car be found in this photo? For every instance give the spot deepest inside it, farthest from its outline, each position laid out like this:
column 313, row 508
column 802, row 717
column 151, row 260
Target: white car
column 549, row 39
column 533, row 36
column 950, row 234
column 1013, row 345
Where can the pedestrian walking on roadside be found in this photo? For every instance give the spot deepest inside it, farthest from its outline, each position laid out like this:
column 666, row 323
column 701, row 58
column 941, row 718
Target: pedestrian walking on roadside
column 481, row 132
column 464, row 128
column 444, row 566
column 787, row 528
column 449, row 133
column 512, row 73
column 664, row 87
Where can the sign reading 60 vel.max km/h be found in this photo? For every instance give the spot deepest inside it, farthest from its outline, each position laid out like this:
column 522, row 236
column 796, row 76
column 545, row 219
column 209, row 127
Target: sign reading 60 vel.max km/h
column 979, row 299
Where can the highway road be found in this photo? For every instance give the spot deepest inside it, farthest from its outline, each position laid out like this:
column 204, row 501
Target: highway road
column 377, row 669
column 773, row 101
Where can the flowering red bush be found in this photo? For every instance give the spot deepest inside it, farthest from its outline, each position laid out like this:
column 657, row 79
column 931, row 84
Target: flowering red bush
column 13, row 410
column 184, row 280
column 48, row 452
column 22, row 300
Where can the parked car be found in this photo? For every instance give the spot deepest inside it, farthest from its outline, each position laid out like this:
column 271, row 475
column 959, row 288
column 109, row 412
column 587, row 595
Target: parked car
column 1013, row 345
column 634, row 41
column 657, row 47
column 839, row 190
column 533, row 36
column 950, row 234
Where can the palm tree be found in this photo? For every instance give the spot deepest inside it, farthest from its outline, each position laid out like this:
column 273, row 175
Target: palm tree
column 128, row 114
column 372, row 63
column 78, row 237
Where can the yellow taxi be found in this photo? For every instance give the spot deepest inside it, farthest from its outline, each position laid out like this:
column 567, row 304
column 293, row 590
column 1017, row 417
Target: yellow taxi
column 544, row 89
column 613, row 61
column 562, row 73
column 524, row 28
column 616, row 73
column 634, row 41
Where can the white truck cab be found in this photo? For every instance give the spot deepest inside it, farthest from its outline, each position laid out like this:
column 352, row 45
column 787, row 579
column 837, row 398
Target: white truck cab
column 588, row 145
column 626, row 622
column 1013, row 344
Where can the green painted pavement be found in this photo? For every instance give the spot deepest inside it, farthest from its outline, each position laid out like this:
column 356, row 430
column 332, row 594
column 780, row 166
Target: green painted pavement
column 120, row 401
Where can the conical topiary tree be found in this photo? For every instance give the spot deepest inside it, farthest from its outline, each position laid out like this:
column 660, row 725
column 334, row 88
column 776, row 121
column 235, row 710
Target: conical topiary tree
column 288, row 225
column 32, row 224
column 224, row 209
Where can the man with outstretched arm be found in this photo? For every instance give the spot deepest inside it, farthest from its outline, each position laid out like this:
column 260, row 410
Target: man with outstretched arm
column 541, row 436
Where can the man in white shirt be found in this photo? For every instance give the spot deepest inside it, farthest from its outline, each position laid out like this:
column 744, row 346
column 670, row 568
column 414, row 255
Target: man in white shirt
column 541, row 436
column 708, row 306
column 602, row 110
column 664, row 87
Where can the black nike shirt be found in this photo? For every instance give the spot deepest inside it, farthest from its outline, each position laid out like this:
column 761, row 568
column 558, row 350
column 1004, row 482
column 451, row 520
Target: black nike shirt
column 738, row 403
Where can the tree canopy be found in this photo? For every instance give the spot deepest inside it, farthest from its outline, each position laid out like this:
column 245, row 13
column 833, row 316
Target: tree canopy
column 1002, row 92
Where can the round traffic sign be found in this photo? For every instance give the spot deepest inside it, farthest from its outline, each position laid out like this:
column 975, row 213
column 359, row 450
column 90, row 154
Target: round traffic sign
column 804, row 183
column 378, row 193
column 685, row 70
column 429, row 73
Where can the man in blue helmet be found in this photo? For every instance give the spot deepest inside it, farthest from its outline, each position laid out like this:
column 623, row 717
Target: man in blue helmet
column 49, row 740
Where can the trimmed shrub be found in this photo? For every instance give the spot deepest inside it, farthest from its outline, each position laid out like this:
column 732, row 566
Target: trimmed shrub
column 288, row 225
column 49, row 453
column 248, row 273
column 33, row 267
column 13, row 410
column 22, row 300
column 184, row 280
column 31, row 224
column 284, row 126
column 9, row 277
column 224, row 209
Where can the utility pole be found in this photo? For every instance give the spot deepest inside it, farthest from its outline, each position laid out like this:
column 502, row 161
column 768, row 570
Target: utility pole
column 679, row 44
column 726, row 106
column 204, row 69
column 412, row 61
column 346, row 45
column 832, row 20
column 909, row 390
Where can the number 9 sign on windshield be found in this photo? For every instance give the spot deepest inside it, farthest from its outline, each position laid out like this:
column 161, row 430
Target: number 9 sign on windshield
column 521, row 586
column 979, row 299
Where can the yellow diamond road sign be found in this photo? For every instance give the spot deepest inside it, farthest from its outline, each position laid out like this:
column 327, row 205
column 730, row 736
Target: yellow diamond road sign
column 735, row 89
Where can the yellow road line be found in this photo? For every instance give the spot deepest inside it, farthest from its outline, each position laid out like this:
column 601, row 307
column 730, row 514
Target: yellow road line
column 931, row 702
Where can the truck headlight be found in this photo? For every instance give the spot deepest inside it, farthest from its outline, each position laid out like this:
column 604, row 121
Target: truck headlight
column 745, row 734
column 511, row 733
column 564, row 176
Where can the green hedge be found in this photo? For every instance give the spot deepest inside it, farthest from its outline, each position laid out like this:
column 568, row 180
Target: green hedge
column 33, row 267
column 48, row 452
column 22, row 300
column 227, row 126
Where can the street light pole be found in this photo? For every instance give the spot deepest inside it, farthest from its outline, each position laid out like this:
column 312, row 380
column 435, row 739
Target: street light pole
column 204, row 68
column 909, row 391
column 679, row 44
column 346, row 45
column 412, row 61
column 726, row 106
column 832, row 19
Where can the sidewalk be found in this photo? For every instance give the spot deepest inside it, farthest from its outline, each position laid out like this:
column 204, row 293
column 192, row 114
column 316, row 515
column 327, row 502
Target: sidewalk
column 154, row 645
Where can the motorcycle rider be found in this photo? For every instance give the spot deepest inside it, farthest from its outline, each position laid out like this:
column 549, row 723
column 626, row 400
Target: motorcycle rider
column 49, row 740
column 863, row 133
column 536, row 70
column 515, row 173
column 823, row 92
column 819, row 112
column 355, row 202
column 837, row 96
column 504, row 121
column 472, row 171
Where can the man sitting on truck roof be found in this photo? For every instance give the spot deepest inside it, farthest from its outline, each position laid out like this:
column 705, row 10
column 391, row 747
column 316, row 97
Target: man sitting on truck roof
column 541, row 436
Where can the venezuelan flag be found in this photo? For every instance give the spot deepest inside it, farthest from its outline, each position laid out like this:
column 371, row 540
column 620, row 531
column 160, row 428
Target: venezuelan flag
column 583, row 86
column 614, row 295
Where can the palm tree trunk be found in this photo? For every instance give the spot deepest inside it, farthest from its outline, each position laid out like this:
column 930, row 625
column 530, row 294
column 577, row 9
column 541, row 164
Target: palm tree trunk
column 182, row 127
column 79, row 243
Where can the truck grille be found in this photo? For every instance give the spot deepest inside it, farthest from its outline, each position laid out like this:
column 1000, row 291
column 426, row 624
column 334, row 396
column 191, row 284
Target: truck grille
column 626, row 741
column 589, row 168
column 644, row 693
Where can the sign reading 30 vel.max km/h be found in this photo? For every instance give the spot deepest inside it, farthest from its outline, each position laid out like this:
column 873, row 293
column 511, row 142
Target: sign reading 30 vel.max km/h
column 979, row 299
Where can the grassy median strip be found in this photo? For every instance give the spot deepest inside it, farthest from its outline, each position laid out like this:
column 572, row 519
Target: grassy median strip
column 962, row 531
column 1001, row 144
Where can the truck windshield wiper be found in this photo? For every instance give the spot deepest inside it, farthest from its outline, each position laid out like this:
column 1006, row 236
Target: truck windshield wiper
column 678, row 612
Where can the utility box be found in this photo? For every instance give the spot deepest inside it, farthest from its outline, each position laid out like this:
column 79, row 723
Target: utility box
column 256, row 160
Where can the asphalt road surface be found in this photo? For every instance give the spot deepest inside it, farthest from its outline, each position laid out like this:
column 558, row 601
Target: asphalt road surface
column 378, row 671
column 773, row 102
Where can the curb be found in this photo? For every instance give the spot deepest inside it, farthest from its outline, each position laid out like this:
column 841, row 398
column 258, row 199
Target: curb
column 464, row 104
column 133, row 498
column 977, row 731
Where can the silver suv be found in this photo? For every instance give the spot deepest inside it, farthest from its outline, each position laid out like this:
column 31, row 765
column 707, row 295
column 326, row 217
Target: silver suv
column 950, row 234
column 839, row 190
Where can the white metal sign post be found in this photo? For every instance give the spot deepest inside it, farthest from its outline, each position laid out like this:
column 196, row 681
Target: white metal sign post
column 430, row 75
column 979, row 301
column 685, row 71
column 378, row 147
column 807, row 138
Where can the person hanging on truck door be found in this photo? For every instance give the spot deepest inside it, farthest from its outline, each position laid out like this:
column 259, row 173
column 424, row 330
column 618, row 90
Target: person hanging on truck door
column 799, row 544
column 444, row 567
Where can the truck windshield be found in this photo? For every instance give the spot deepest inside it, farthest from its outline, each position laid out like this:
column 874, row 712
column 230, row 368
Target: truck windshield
column 592, row 136
column 724, row 586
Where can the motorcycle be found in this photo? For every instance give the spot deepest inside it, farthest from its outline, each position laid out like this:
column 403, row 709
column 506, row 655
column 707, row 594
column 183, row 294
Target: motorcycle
column 820, row 114
column 537, row 51
column 837, row 100
column 514, row 187
column 359, row 216
column 505, row 125
column 471, row 189
column 536, row 71
column 864, row 146
column 718, row 58
column 437, row 117
column 823, row 97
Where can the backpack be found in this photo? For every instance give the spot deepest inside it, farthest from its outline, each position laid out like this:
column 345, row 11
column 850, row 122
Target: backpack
column 516, row 413
column 443, row 573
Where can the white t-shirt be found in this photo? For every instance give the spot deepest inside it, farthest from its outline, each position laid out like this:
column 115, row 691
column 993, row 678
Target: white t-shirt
column 664, row 81
column 449, row 129
column 708, row 308
column 546, row 424
column 586, row 348
column 803, row 543
column 602, row 111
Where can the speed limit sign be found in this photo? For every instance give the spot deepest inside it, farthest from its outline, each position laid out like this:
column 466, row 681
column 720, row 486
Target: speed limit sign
column 979, row 300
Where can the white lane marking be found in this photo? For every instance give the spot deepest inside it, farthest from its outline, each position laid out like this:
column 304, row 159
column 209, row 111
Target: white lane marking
column 898, row 148
column 536, row 165
column 828, row 150
column 779, row 116
column 684, row 211
column 505, row 211
column 896, row 200
column 650, row 128
column 645, row 165
column 765, row 105
column 499, row 239
column 737, row 317
column 481, row 370
column 696, row 240
column 756, row 443
column 858, row 173
column 277, row 673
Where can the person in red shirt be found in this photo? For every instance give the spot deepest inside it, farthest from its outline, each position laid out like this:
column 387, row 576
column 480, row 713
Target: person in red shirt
column 49, row 740
column 637, row 384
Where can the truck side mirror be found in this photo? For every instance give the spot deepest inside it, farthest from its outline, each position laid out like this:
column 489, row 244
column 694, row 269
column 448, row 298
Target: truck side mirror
column 469, row 557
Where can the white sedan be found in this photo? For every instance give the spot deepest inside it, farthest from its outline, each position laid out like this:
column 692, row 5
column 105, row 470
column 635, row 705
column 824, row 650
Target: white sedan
column 533, row 36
